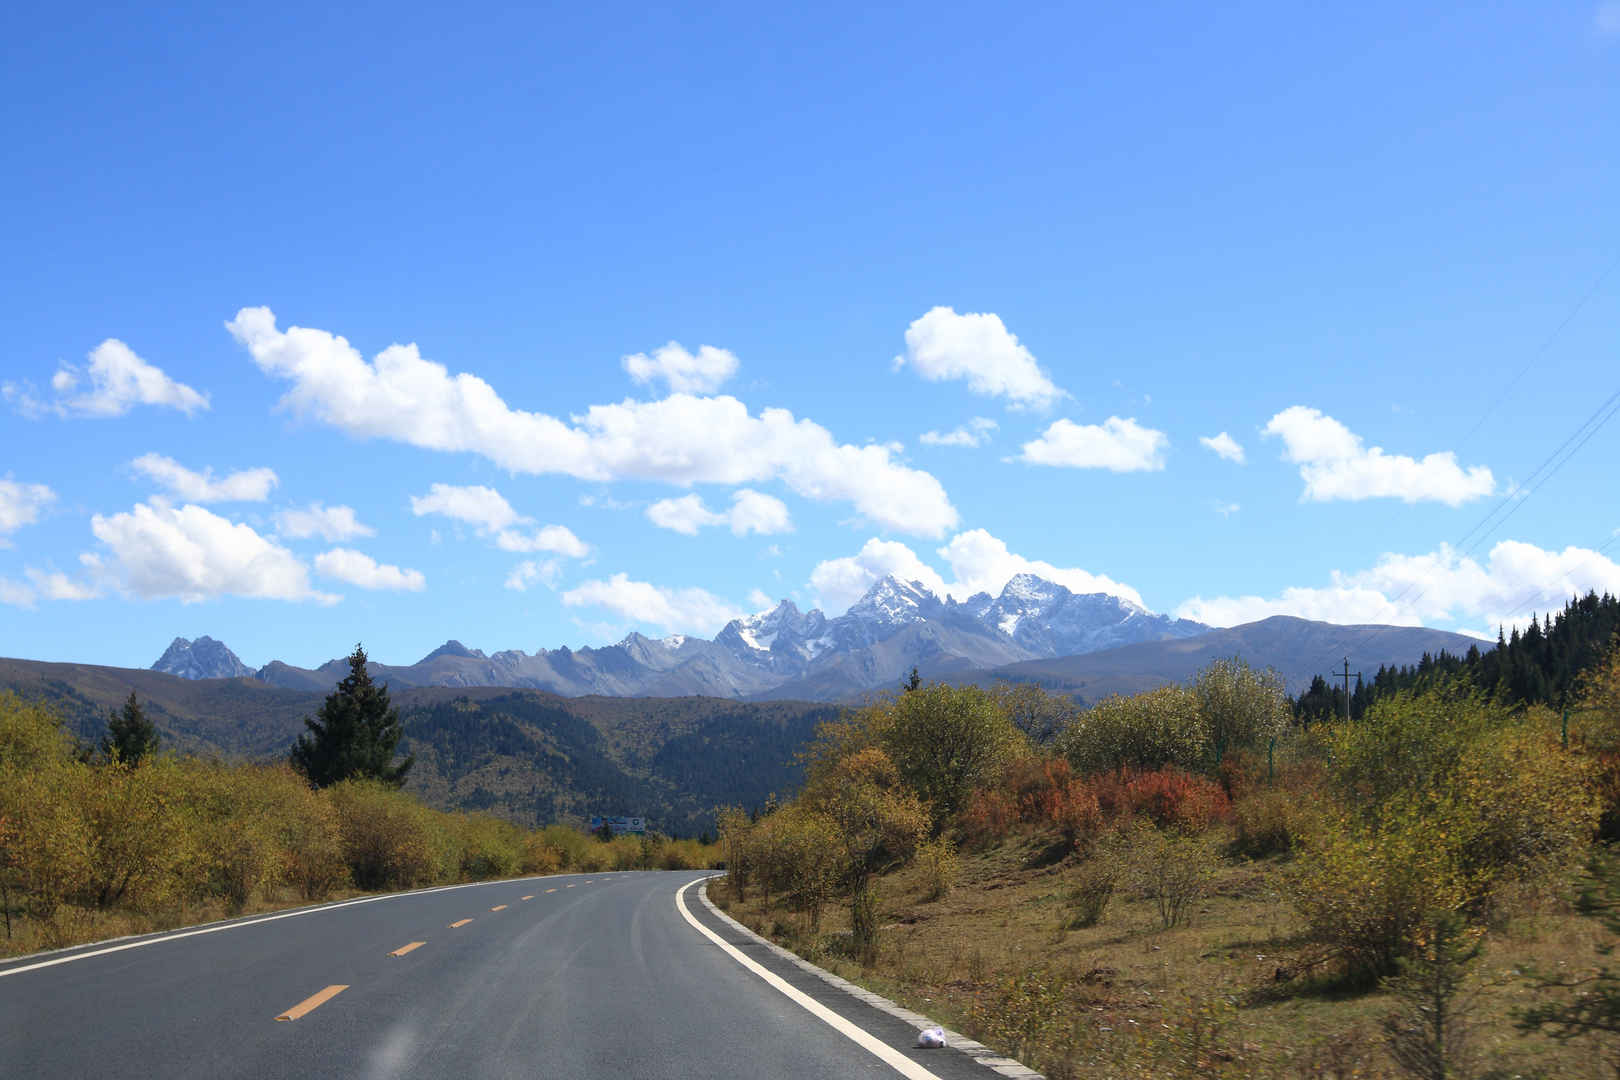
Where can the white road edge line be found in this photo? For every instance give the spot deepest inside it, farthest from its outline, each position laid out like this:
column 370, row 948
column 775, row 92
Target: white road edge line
column 248, row 922
column 856, row 1034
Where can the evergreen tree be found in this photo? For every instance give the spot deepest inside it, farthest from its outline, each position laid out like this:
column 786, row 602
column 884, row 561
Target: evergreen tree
column 1431, row 1034
column 354, row 735
column 130, row 735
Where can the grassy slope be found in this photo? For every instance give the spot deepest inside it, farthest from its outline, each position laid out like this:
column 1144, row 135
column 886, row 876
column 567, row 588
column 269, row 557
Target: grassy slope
column 1132, row 988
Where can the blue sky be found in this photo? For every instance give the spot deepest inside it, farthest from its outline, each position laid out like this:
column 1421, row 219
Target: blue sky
column 651, row 318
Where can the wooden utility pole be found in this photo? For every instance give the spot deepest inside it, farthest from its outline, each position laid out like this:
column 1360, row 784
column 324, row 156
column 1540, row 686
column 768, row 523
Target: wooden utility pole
column 1345, row 675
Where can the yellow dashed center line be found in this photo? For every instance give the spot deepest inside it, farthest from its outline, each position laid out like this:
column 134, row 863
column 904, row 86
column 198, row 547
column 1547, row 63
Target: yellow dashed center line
column 551, row 890
column 459, row 922
column 313, row 1002
column 570, row 885
column 403, row 949
column 498, row 907
column 529, row 897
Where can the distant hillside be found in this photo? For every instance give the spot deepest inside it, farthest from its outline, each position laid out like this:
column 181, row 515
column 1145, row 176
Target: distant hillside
column 1298, row 648
column 527, row 755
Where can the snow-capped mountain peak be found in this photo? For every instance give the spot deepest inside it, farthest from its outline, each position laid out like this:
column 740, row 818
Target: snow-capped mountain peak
column 892, row 602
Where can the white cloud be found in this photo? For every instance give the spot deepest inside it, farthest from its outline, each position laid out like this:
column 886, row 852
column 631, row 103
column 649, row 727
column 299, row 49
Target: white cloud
column 119, row 380
column 1442, row 586
column 838, row 583
column 1336, row 464
column 979, row 348
column 484, row 508
column 694, row 611
column 680, row 440
column 487, row 511
column 756, row 512
column 530, row 572
column 760, row 600
column 751, row 512
column 54, row 585
column 331, row 523
column 978, row 561
column 981, row 563
column 16, row 594
column 159, row 550
column 557, row 539
column 976, row 432
column 1115, row 444
column 1226, row 509
column 360, row 569
column 49, row 584
column 20, row 504
column 247, row 485
column 685, row 515
column 1226, row 448
column 684, row 372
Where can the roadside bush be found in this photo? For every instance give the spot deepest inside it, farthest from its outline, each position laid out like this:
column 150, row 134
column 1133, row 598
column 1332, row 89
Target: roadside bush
column 1074, row 811
column 47, row 844
column 310, row 838
column 388, row 839
column 1270, row 821
column 1171, row 869
column 597, row 858
column 989, row 817
column 229, row 816
column 939, row 865
column 1169, row 797
column 1365, row 891
column 569, row 844
column 31, row 736
column 138, row 852
column 1145, row 732
column 805, row 864
column 488, row 847
column 946, row 742
column 1241, row 707
column 732, row 823
column 1092, row 887
column 1519, row 806
column 538, row 856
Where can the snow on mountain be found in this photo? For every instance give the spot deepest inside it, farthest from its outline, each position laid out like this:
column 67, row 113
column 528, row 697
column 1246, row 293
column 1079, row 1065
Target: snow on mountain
column 895, row 626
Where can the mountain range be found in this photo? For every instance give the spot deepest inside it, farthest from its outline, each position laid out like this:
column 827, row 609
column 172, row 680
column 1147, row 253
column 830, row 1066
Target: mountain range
column 779, row 654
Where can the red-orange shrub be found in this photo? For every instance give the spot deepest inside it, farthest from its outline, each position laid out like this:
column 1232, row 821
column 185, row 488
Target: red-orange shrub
column 990, row 816
column 1074, row 811
column 1170, row 797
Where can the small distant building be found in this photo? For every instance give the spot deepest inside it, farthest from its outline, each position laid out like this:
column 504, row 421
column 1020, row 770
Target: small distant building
column 619, row 825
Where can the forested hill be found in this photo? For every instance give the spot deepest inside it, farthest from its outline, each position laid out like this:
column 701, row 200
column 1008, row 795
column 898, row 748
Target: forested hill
column 1542, row 665
column 526, row 755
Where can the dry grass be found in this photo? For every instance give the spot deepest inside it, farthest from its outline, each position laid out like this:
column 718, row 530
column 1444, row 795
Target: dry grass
column 1236, row 993
column 72, row 925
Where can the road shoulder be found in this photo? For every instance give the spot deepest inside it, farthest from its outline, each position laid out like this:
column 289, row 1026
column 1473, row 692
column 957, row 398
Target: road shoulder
column 961, row 1059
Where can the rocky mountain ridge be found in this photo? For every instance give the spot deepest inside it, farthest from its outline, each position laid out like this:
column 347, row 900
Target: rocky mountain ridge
column 786, row 653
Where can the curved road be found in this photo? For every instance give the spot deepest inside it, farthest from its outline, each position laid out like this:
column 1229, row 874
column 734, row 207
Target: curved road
column 588, row 976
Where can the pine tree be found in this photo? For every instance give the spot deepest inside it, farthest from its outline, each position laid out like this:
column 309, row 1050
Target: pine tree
column 130, row 735
column 1430, row 1035
column 354, row 735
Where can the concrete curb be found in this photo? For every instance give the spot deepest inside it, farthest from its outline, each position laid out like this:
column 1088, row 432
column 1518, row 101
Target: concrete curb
column 953, row 1040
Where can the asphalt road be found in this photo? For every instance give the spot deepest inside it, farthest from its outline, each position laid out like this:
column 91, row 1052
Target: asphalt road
column 590, row 976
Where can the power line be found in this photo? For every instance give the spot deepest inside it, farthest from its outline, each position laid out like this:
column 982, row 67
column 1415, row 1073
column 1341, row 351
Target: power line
column 1545, row 345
